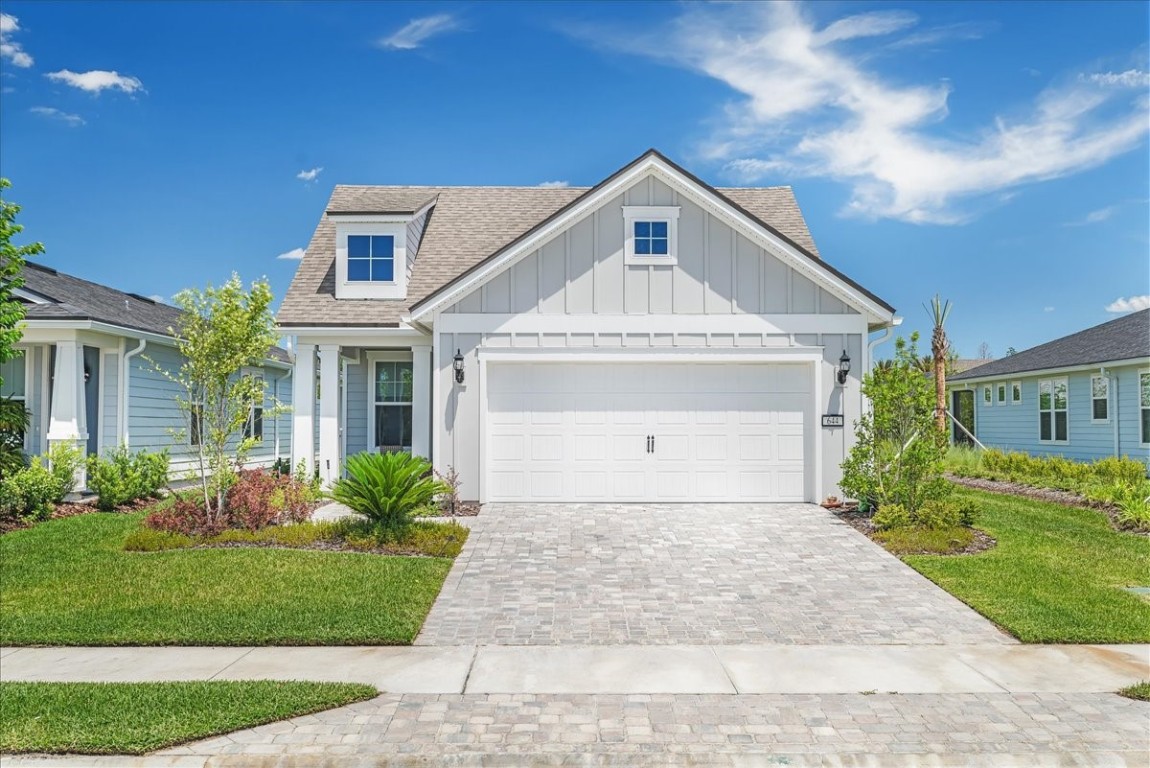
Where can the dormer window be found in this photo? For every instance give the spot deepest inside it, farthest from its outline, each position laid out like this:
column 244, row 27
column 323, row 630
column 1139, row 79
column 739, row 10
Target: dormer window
column 650, row 234
column 371, row 258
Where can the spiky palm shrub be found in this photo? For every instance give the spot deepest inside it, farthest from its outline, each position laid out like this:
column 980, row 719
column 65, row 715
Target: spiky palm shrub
column 387, row 487
column 939, row 310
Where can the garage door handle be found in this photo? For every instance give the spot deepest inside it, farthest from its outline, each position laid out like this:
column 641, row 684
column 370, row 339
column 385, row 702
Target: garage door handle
column 650, row 443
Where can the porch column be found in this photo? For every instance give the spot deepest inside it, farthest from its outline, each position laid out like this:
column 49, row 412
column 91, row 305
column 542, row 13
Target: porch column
column 421, row 400
column 303, row 408
column 329, row 413
column 68, row 420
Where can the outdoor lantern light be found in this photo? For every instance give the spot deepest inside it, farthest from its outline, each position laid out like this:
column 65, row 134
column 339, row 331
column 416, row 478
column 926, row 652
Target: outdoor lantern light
column 844, row 367
column 457, row 366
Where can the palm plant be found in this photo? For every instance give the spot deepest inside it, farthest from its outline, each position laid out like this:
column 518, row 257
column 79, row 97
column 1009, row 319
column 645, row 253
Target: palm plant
column 939, row 310
column 387, row 487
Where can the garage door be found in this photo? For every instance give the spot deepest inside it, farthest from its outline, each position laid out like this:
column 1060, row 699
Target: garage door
column 646, row 431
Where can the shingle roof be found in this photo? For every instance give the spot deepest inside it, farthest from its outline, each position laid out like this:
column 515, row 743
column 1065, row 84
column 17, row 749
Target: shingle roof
column 466, row 226
column 73, row 298
column 1125, row 338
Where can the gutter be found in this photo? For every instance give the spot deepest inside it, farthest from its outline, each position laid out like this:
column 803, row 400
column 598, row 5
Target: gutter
column 126, row 381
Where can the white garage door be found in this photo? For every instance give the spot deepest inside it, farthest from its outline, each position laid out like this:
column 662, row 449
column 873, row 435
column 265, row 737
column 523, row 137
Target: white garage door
column 646, row 431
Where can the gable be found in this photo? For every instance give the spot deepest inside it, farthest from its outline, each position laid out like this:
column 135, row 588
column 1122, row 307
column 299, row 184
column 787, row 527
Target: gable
column 718, row 269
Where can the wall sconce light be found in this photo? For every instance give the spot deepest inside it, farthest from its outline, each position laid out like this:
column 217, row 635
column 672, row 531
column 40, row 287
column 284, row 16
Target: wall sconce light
column 457, row 366
column 844, row 367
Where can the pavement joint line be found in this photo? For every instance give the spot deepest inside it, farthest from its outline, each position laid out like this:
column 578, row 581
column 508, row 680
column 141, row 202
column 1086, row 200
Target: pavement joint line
column 232, row 663
column 470, row 667
column 980, row 673
column 726, row 672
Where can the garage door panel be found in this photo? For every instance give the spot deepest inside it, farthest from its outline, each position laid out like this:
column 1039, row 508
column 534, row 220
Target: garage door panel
column 547, row 485
column 547, row 447
column 672, row 447
column 791, row 486
column 506, row 447
column 591, row 486
column 671, row 484
column 507, row 485
column 590, row 447
column 629, row 485
column 712, row 485
column 711, row 447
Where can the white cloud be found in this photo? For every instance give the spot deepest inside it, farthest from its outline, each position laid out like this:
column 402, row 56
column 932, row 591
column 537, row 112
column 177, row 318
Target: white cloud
column 97, row 80
column 1132, row 304
column 936, row 35
column 809, row 103
column 295, row 254
column 9, row 49
column 1094, row 217
column 1131, row 78
column 56, row 114
column 311, row 175
column 1048, row 309
column 415, row 32
column 555, row 184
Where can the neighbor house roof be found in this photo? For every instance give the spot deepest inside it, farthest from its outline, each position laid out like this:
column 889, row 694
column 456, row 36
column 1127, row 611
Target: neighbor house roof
column 67, row 297
column 1126, row 338
column 466, row 226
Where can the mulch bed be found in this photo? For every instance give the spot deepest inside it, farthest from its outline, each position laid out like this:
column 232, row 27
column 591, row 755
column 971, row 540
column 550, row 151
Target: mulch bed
column 1052, row 495
column 462, row 509
column 862, row 522
column 72, row 509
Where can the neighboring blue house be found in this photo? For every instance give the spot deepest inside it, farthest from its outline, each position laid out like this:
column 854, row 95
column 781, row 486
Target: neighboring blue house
column 1084, row 396
column 87, row 374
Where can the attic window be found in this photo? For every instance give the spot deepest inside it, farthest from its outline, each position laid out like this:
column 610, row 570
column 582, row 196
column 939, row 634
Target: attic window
column 371, row 258
column 650, row 234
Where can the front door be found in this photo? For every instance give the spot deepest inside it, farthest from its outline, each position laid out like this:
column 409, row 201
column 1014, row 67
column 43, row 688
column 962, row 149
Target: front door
column 962, row 408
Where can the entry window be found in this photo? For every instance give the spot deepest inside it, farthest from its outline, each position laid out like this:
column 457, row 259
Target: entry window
column 371, row 258
column 987, row 396
column 393, row 398
column 12, row 373
column 1001, row 394
column 1015, row 392
column 1099, row 398
column 1144, row 402
column 1052, row 405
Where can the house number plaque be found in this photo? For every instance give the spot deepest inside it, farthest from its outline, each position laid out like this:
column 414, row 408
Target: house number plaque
column 833, row 420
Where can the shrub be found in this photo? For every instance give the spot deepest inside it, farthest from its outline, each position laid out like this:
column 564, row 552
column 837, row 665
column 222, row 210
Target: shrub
column 890, row 516
column 914, row 540
column 432, row 539
column 31, row 493
column 449, row 501
column 936, row 515
column 1133, row 504
column 123, row 477
column 64, row 459
column 152, row 540
column 387, row 487
column 13, row 425
column 185, row 515
column 933, row 515
column 964, row 461
column 260, row 498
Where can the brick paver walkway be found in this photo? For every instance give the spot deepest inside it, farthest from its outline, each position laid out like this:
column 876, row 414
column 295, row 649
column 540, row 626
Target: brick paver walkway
column 1089, row 726
column 603, row 574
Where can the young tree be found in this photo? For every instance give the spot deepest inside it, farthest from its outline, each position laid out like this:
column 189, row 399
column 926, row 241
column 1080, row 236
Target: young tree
column 939, row 310
column 12, row 258
column 224, row 330
column 898, row 452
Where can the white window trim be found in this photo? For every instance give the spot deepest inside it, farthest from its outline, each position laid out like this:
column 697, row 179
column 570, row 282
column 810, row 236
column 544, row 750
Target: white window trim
column 1106, row 399
column 1053, row 427
column 256, row 373
column 667, row 213
column 348, row 289
column 1141, row 408
column 25, row 352
column 1000, row 391
column 987, row 395
column 1014, row 384
column 394, row 356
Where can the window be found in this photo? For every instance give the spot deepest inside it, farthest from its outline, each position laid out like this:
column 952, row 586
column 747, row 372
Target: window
column 1015, row 392
column 12, row 372
column 371, row 258
column 1052, row 402
column 254, row 428
column 650, row 234
column 1144, row 404
column 987, row 397
column 1002, row 394
column 1099, row 398
column 393, row 405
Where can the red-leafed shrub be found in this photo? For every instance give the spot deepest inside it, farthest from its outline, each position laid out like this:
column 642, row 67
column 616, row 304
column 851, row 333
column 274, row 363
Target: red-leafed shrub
column 256, row 500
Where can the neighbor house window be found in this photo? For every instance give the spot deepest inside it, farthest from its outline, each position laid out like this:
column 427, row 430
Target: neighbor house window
column 1052, row 403
column 1002, row 394
column 12, row 372
column 392, row 401
column 1099, row 398
column 371, row 258
column 1015, row 392
column 1144, row 402
column 254, row 427
column 987, row 396
column 650, row 234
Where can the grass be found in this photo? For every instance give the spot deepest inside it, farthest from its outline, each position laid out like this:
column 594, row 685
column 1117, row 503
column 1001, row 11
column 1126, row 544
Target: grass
column 915, row 539
column 1056, row 575
column 1139, row 691
column 69, row 582
column 134, row 718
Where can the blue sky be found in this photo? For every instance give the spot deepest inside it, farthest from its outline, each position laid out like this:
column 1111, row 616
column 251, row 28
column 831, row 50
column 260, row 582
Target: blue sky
column 995, row 153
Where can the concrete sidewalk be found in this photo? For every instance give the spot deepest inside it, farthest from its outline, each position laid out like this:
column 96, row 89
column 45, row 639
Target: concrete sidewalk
column 683, row 669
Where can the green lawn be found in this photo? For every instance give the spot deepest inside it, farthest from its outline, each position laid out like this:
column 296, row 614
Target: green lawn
column 133, row 718
column 68, row 582
column 1056, row 575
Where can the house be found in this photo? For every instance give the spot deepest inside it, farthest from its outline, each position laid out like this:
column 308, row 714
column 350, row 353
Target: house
column 88, row 372
column 650, row 338
column 1084, row 396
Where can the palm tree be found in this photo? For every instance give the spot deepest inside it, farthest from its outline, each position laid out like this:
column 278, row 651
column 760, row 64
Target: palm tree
column 939, row 310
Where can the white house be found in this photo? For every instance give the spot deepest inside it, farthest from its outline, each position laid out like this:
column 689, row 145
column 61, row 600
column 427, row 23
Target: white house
column 647, row 339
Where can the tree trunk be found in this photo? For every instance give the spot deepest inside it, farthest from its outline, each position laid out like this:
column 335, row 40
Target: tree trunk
column 939, row 349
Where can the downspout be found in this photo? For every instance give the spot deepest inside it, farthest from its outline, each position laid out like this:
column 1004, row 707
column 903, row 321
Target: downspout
column 276, row 395
column 126, row 378
column 886, row 332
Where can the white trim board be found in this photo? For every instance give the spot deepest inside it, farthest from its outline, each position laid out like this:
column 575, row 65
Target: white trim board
column 599, row 323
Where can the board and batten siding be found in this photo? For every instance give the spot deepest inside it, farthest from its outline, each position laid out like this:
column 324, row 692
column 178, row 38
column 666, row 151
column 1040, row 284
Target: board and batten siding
column 110, row 399
column 582, row 271
column 1015, row 427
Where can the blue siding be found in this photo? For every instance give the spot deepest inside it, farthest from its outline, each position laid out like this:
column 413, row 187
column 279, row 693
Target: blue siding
column 110, row 368
column 355, row 390
column 1014, row 427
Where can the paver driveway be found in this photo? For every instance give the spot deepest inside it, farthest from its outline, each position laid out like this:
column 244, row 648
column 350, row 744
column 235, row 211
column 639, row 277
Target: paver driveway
column 603, row 574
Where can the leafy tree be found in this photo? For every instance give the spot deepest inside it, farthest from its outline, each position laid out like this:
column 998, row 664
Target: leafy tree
column 223, row 331
column 12, row 258
column 898, row 453
column 1011, row 351
column 939, row 311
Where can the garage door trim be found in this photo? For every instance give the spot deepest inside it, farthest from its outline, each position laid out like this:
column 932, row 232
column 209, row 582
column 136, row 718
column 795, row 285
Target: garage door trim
column 812, row 356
